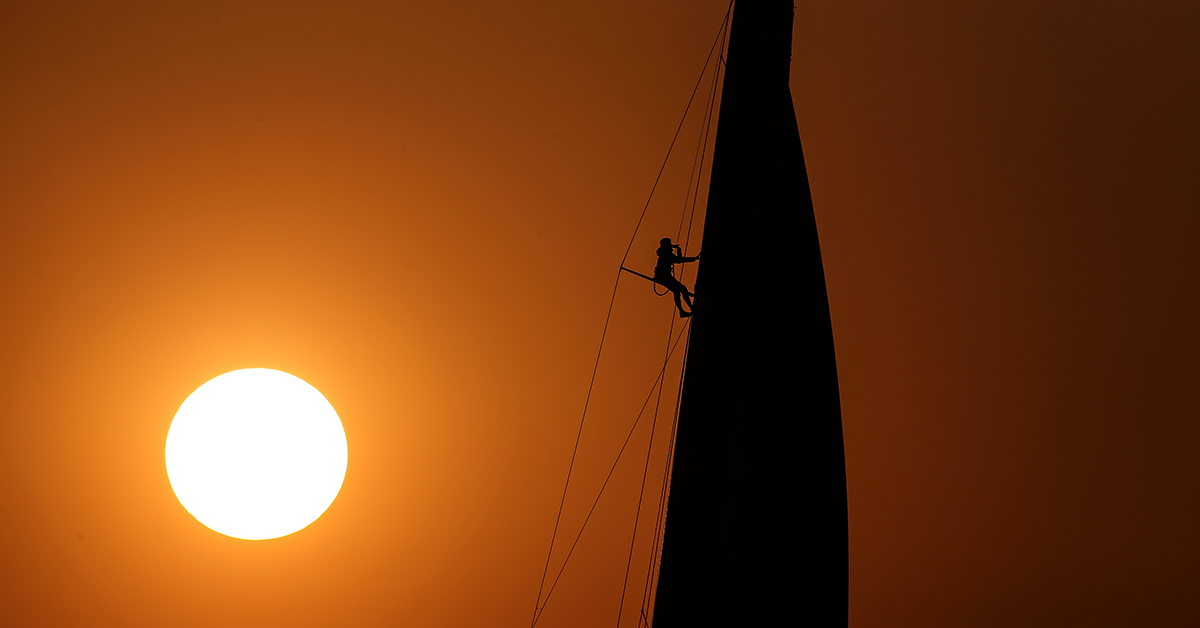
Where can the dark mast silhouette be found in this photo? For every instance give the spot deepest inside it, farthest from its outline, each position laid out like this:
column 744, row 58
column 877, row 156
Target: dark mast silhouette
column 756, row 528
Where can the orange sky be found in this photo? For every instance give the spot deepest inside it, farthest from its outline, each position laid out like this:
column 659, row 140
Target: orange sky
column 419, row 208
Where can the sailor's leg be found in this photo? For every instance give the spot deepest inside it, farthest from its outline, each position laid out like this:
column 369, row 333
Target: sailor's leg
column 682, row 312
column 678, row 290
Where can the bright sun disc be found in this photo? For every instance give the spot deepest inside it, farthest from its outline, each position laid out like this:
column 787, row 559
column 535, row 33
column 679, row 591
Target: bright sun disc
column 256, row 454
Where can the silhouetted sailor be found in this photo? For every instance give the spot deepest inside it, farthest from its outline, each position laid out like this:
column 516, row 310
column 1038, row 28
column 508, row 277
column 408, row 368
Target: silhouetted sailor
column 664, row 274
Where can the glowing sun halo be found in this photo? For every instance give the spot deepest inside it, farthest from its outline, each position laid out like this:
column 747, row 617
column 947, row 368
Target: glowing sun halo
column 256, row 454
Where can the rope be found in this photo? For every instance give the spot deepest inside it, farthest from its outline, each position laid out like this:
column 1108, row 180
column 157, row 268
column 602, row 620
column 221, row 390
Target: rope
column 539, row 603
column 696, row 175
column 658, row 178
column 709, row 113
column 645, row 471
column 659, row 528
column 613, row 468
column 698, row 157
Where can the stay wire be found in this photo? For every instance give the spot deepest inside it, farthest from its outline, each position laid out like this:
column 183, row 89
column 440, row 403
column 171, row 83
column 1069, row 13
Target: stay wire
column 664, row 490
column 608, row 317
column 655, row 559
column 698, row 156
column 657, row 382
column 711, row 113
column 697, row 175
column 696, row 172
column 645, row 472
column 660, row 518
column 656, row 547
column 658, row 178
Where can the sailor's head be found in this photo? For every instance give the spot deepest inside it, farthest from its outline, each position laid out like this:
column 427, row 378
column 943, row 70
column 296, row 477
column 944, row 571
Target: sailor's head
column 665, row 242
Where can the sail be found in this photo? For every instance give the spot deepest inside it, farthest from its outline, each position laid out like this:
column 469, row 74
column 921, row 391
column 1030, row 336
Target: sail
column 756, row 528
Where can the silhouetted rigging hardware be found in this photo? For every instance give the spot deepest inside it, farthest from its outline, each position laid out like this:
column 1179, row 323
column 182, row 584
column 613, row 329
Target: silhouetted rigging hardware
column 646, row 277
column 539, row 605
column 658, row 383
column 740, row 458
column 743, row 459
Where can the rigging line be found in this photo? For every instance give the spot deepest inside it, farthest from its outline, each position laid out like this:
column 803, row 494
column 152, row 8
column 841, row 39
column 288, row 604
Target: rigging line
column 658, row 178
column 661, row 374
column 699, row 178
column 695, row 161
column 712, row 113
column 656, row 548
column 571, row 467
column 698, row 158
column 574, row 452
column 608, row 316
column 645, row 471
column 698, row 173
column 656, row 545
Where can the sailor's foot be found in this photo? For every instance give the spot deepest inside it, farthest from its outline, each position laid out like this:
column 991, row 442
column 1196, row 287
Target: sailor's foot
column 683, row 314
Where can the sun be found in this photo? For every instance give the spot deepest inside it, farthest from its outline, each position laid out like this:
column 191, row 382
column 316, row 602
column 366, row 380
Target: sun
column 256, row 454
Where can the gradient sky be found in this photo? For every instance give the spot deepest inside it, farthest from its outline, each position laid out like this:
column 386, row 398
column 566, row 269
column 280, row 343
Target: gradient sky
column 419, row 207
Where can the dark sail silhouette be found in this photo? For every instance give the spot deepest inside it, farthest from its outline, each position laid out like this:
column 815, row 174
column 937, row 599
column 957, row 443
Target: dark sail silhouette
column 756, row 527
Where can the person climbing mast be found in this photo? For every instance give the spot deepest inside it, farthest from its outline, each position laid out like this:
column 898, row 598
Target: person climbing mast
column 664, row 274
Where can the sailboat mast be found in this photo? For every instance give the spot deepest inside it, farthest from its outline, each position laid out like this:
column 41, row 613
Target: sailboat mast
column 756, row 529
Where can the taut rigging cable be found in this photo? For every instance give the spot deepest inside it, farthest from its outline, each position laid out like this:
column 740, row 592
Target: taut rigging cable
column 657, row 386
column 540, row 603
column 697, row 177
